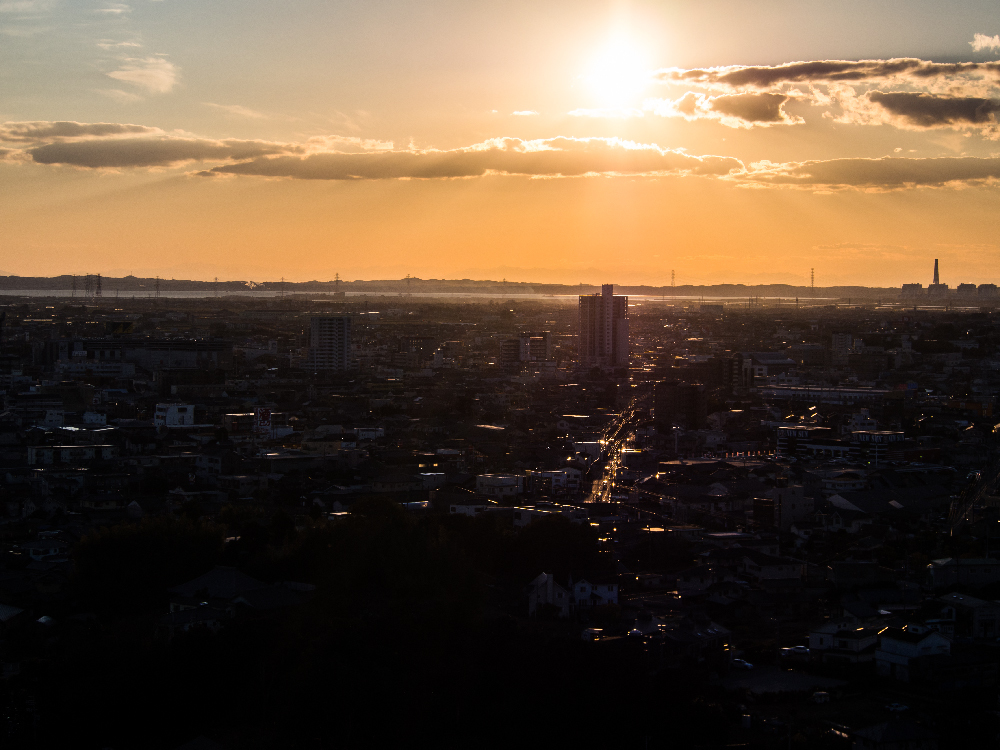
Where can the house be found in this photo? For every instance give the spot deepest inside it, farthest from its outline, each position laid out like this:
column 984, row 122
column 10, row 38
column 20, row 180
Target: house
column 572, row 597
column 971, row 617
column 901, row 650
column 186, row 620
column 525, row 515
column 897, row 734
column 772, row 572
column 220, row 587
column 699, row 578
column 848, row 574
column 469, row 507
column 849, row 646
column 500, row 486
column 973, row 572
column 544, row 591
column 44, row 549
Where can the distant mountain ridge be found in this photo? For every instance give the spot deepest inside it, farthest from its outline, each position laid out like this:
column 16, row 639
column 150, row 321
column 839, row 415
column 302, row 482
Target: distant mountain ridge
column 135, row 284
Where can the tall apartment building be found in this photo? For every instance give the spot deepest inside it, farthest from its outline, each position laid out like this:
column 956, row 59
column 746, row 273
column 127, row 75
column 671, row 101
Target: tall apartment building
column 330, row 343
column 604, row 328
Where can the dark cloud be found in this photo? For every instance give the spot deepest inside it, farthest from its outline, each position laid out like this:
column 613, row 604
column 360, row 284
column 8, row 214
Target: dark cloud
column 151, row 152
column 756, row 108
column 555, row 157
column 929, row 111
column 33, row 132
column 825, row 71
column 732, row 110
column 887, row 173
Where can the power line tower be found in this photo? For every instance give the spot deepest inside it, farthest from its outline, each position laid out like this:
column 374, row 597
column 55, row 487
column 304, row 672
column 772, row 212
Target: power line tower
column 673, row 277
column 336, row 283
column 408, row 277
column 812, row 278
column 88, row 287
column 156, row 288
column 216, row 288
column 97, row 288
column 74, row 286
column 281, row 293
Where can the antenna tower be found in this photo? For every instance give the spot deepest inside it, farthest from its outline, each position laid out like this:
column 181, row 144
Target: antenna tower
column 672, row 278
column 812, row 278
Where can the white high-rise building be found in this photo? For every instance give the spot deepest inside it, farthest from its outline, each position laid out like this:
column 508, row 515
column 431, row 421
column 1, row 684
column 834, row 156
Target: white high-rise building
column 330, row 343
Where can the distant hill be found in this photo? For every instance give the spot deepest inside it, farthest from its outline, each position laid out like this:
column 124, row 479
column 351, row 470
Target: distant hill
column 137, row 285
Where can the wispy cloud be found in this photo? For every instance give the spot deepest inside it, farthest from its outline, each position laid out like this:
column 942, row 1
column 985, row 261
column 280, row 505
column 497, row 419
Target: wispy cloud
column 552, row 157
column 26, row 7
column 609, row 113
column 46, row 131
column 115, row 9
column 122, row 97
column 124, row 153
column 981, row 41
column 886, row 173
column 236, row 109
column 524, row 113
column 154, row 74
column 117, row 45
column 827, row 71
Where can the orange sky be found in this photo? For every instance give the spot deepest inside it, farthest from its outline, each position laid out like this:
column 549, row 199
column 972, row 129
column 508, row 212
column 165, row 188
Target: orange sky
column 557, row 142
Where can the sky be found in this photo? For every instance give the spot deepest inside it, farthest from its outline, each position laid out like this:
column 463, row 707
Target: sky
column 583, row 141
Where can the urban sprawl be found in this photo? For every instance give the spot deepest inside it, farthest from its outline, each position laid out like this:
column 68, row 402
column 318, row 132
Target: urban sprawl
column 318, row 518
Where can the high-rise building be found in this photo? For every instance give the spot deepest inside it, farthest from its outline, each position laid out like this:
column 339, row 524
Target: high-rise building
column 604, row 328
column 330, row 343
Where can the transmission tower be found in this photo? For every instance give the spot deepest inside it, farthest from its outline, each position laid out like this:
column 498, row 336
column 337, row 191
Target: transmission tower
column 812, row 278
column 672, row 278
column 156, row 288
column 216, row 288
column 88, row 287
column 97, row 289
column 74, row 286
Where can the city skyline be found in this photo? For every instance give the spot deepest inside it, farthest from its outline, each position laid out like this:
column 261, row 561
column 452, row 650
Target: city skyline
column 714, row 143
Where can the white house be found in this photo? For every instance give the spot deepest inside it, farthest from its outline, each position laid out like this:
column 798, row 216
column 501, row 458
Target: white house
column 574, row 596
column 174, row 415
column 901, row 649
column 500, row 486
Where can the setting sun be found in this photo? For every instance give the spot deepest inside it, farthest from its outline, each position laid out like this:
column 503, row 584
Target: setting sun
column 617, row 74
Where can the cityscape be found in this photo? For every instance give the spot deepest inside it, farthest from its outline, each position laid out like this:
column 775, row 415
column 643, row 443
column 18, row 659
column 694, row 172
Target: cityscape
column 774, row 524
column 614, row 374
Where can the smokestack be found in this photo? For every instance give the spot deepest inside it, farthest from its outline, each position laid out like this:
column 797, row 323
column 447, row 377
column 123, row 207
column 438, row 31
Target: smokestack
column 937, row 279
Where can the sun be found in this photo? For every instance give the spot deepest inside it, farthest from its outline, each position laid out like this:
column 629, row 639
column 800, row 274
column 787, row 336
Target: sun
column 618, row 73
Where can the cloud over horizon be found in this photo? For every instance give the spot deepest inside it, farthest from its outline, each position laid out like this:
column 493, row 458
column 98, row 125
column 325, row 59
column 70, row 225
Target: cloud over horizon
column 553, row 157
column 131, row 146
column 924, row 110
column 732, row 110
column 885, row 173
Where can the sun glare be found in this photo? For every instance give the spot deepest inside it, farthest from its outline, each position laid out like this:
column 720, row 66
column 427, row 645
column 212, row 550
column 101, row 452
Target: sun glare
column 617, row 74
